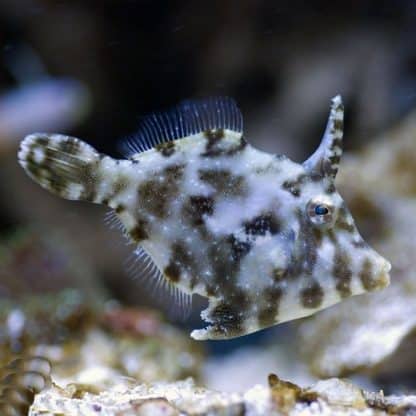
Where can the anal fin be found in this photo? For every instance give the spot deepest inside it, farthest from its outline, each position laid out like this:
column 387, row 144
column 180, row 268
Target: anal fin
column 172, row 299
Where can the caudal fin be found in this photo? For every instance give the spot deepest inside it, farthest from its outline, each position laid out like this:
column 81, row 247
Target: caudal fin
column 63, row 165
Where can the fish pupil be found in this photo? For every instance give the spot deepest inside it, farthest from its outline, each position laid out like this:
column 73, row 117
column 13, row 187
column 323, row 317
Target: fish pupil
column 321, row 210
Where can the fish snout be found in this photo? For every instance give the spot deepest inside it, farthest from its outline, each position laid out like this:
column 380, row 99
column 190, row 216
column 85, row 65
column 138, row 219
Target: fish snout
column 384, row 274
column 378, row 276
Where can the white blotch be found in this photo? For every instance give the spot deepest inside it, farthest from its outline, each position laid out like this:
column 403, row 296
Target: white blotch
column 74, row 190
column 38, row 155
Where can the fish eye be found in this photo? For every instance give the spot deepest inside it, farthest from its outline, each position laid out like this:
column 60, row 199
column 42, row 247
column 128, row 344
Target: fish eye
column 320, row 211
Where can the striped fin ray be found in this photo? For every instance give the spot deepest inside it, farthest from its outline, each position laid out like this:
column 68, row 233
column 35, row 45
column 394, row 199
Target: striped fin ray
column 325, row 160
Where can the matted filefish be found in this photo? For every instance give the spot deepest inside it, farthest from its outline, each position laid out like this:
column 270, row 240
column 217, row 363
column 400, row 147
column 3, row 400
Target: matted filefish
column 265, row 239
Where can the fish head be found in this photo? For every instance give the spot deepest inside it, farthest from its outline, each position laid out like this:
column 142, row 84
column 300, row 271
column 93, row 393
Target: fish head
column 328, row 245
column 328, row 250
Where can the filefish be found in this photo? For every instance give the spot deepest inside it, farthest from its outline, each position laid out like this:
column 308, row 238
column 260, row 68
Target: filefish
column 265, row 239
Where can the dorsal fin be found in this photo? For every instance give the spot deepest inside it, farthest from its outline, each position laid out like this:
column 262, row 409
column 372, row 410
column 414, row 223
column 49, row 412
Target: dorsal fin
column 187, row 118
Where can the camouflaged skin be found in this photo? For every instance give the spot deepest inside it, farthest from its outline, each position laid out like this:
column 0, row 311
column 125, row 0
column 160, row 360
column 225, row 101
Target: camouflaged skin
column 265, row 239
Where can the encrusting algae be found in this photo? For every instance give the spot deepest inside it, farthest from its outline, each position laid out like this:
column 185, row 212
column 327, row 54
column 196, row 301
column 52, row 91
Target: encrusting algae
column 265, row 239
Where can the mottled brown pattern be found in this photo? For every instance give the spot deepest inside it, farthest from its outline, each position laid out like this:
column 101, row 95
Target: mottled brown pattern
column 155, row 195
column 308, row 253
column 120, row 208
column 366, row 276
column 196, row 207
column 342, row 224
column 181, row 260
column 173, row 272
column 330, row 188
column 224, row 182
column 120, row 183
column 166, row 149
column 229, row 315
column 342, row 272
column 224, row 257
column 267, row 314
column 239, row 249
column 213, row 137
column 312, row 295
column 139, row 232
column 318, row 236
column 89, row 179
column 279, row 274
column 295, row 186
column 70, row 146
column 55, row 173
column 174, row 172
column 262, row 224
column 214, row 146
column 338, row 126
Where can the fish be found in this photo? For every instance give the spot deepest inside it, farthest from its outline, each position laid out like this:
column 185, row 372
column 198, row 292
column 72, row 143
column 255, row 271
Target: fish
column 264, row 239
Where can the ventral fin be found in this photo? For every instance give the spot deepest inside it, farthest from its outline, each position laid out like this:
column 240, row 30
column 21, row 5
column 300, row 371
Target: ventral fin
column 187, row 118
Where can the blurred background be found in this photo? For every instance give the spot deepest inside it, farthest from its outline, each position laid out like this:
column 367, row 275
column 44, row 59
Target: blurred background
column 92, row 69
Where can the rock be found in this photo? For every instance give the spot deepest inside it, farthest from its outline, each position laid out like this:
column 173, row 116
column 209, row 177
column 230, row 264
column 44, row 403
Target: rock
column 330, row 397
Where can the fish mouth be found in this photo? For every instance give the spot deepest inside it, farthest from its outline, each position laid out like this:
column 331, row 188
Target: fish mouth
column 382, row 275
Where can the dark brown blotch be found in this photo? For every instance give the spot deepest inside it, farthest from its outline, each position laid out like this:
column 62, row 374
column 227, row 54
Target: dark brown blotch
column 155, row 195
column 119, row 209
column 312, row 295
column 342, row 272
column 342, row 220
column 262, row 224
column 279, row 274
column 227, row 320
column 70, row 146
column 167, row 149
column 228, row 316
column 294, row 186
column 181, row 260
column 139, row 232
column 224, row 182
column 174, row 172
column 306, row 259
column 213, row 146
column 173, row 272
column 342, row 224
column 214, row 135
column 318, row 236
column 197, row 207
column 366, row 276
column 121, row 182
column 338, row 125
column 267, row 314
column 330, row 189
column 239, row 249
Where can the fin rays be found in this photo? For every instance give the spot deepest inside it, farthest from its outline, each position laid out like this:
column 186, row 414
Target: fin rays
column 188, row 118
column 140, row 265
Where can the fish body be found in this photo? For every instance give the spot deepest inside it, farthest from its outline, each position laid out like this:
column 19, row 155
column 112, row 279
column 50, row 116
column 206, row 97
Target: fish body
column 265, row 239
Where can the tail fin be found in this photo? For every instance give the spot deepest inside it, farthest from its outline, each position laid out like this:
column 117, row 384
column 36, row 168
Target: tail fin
column 63, row 165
